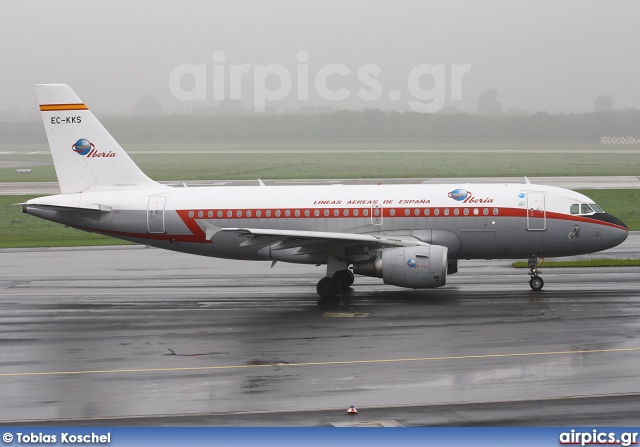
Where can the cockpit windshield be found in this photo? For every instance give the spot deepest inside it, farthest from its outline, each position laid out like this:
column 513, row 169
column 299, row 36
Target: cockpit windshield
column 584, row 208
column 596, row 208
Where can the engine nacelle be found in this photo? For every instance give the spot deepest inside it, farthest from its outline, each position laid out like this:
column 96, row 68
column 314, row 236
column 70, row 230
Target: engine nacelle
column 420, row 267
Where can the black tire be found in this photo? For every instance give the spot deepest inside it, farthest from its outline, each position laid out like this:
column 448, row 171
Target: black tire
column 536, row 283
column 328, row 288
column 344, row 277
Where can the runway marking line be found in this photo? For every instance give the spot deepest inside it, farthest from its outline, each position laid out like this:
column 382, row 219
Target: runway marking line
column 345, row 315
column 315, row 410
column 344, row 362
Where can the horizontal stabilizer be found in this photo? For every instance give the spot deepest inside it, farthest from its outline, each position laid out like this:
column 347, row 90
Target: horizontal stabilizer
column 93, row 208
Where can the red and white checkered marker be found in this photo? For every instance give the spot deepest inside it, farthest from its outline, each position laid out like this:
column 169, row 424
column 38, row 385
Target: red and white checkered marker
column 352, row 410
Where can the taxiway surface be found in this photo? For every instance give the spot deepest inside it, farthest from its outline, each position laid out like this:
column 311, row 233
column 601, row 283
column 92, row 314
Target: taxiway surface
column 133, row 335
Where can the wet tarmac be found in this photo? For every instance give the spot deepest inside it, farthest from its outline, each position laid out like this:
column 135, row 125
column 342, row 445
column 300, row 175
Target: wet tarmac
column 141, row 336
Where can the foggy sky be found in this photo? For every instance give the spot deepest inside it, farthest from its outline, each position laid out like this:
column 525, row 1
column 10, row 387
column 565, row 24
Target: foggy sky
column 541, row 55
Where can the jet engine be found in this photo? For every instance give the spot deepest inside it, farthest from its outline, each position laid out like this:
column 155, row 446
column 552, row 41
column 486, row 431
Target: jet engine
column 420, row 267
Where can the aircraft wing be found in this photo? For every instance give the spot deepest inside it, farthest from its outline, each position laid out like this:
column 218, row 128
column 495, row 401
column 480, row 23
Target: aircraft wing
column 349, row 238
column 304, row 242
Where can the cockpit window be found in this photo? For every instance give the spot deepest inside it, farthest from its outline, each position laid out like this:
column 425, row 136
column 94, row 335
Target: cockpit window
column 585, row 209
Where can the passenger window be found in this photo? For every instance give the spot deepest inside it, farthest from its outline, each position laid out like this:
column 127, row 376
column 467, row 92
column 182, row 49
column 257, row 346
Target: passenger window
column 575, row 209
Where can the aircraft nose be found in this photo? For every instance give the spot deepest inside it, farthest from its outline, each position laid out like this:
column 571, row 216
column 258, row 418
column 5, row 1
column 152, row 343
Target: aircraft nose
column 609, row 218
column 617, row 221
column 618, row 231
column 619, row 234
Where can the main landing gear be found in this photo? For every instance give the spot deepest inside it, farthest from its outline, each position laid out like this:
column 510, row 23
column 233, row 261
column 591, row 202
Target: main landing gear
column 338, row 277
column 536, row 282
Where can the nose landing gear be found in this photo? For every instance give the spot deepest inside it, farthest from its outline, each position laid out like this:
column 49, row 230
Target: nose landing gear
column 536, row 282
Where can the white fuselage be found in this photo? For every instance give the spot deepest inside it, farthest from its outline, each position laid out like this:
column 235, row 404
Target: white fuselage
column 473, row 221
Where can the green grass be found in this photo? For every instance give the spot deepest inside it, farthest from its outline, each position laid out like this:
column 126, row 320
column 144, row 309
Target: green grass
column 584, row 263
column 338, row 164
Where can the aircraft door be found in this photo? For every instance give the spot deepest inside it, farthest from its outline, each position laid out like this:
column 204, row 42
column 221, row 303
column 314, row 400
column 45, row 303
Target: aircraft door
column 376, row 215
column 536, row 212
column 155, row 214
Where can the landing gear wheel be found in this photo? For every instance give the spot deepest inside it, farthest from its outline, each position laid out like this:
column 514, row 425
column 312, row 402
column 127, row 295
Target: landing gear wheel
column 536, row 283
column 344, row 277
column 328, row 289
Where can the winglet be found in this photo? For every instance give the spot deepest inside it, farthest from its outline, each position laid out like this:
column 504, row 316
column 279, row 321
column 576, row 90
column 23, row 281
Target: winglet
column 526, row 180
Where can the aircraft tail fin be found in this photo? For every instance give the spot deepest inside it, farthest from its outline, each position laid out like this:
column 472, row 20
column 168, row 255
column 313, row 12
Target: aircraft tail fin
column 85, row 155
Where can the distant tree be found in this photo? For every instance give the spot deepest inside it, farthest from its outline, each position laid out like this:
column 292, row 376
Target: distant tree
column 517, row 112
column 603, row 104
column 488, row 103
column 449, row 110
column 148, row 106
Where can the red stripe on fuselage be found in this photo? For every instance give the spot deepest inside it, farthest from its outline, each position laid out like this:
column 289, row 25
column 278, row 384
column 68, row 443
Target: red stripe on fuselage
column 198, row 235
column 189, row 216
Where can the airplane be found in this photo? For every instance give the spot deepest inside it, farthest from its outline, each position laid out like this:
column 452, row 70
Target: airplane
column 409, row 235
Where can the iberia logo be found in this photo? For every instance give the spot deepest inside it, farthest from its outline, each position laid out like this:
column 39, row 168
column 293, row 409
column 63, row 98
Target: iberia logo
column 464, row 196
column 459, row 194
column 413, row 264
column 85, row 147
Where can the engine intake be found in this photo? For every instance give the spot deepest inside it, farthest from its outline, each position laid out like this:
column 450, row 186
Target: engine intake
column 420, row 267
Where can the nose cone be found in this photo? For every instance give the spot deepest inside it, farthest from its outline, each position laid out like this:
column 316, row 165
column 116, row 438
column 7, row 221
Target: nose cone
column 619, row 231
column 608, row 218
